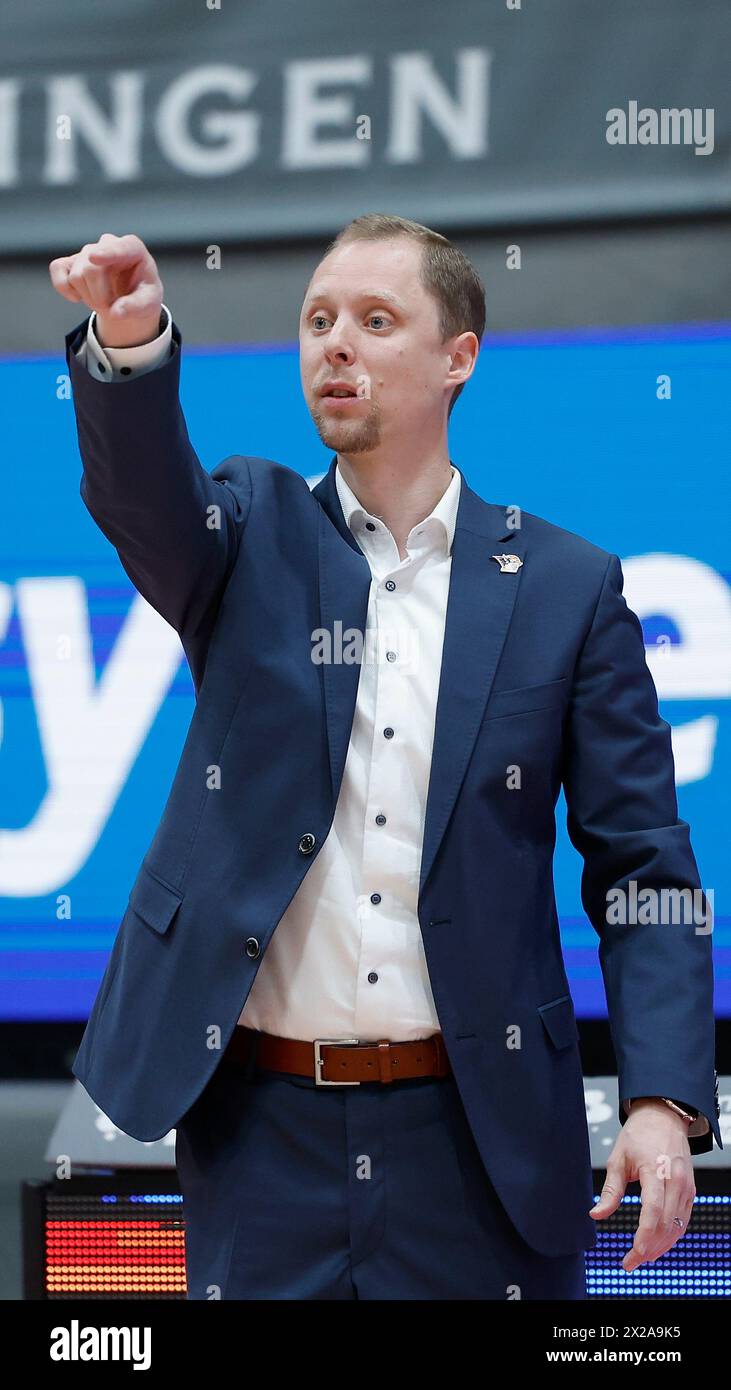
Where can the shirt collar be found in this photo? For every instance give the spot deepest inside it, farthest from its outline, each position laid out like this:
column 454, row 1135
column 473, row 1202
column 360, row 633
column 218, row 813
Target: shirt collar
column 444, row 513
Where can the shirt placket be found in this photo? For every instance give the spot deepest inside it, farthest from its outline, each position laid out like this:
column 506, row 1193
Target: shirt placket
column 384, row 815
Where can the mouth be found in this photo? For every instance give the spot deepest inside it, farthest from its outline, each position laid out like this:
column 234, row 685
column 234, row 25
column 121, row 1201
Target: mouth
column 338, row 395
column 340, row 402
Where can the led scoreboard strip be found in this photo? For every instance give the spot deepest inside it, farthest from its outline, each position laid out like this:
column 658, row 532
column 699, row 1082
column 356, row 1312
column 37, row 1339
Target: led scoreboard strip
column 113, row 1237
column 122, row 1236
column 698, row 1266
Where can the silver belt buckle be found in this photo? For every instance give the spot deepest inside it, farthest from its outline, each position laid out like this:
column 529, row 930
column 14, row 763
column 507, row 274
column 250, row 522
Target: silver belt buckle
column 320, row 1061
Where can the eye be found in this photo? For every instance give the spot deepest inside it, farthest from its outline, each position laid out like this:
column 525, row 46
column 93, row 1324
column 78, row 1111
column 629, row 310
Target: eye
column 318, row 320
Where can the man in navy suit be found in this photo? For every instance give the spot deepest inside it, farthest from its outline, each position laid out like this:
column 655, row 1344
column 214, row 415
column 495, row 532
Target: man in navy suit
column 339, row 975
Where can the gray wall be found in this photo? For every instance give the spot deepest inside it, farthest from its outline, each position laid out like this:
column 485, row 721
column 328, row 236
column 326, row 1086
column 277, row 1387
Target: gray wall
column 620, row 274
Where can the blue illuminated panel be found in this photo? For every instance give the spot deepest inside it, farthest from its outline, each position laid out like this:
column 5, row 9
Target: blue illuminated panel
column 579, row 429
column 698, row 1266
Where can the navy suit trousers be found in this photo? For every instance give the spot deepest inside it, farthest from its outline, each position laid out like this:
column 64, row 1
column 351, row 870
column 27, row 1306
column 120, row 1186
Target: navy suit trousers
column 296, row 1191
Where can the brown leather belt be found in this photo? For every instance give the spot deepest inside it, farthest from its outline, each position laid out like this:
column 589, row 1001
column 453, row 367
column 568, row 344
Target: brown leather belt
column 340, row 1061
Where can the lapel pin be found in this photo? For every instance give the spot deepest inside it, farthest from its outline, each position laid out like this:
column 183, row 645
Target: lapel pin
column 509, row 564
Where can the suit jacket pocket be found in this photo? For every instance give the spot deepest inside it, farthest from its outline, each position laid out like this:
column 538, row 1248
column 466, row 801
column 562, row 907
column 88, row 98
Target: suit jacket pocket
column 525, row 698
column 559, row 1021
column 155, row 901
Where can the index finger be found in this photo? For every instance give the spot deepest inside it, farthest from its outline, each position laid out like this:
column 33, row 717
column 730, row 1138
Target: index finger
column 125, row 251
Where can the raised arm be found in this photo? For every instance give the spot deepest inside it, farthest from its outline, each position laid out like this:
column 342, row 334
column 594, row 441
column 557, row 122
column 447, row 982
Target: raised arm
column 175, row 527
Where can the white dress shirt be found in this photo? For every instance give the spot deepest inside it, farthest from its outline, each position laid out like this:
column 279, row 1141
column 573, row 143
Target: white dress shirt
column 347, row 958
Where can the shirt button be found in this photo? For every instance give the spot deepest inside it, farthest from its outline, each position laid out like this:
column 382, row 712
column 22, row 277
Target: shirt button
column 390, row 656
column 370, row 526
column 372, row 977
column 375, row 897
column 388, row 733
column 252, row 947
column 380, row 819
column 390, row 585
column 101, row 366
column 125, row 371
column 306, row 844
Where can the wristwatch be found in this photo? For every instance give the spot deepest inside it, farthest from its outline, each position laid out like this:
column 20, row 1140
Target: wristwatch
column 688, row 1112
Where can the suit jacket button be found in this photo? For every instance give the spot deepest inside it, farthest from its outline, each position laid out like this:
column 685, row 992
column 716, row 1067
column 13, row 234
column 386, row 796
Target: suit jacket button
column 306, row 844
column 252, row 947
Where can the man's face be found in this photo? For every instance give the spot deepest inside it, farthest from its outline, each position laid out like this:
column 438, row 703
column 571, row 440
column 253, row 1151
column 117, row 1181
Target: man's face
column 368, row 323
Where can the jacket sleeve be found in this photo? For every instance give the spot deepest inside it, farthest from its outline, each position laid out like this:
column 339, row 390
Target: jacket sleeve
column 176, row 528
column 654, row 947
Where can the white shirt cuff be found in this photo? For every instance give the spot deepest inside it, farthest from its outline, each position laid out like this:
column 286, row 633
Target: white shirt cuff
column 121, row 363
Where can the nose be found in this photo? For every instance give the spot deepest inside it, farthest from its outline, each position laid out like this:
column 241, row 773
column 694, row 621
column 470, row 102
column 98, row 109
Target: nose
column 338, row 347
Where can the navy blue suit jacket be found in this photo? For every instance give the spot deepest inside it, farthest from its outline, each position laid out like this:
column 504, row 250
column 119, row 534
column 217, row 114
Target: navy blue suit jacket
column 544, row 668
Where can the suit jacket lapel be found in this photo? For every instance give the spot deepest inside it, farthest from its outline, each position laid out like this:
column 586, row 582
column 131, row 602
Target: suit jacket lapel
column 345, row 581
column 479, row 609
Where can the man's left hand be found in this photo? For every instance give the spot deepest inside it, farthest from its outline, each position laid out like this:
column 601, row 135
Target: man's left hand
column 652, row 1149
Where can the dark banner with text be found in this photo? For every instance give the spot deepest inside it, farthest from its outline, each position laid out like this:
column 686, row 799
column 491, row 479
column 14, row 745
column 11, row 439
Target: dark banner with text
column 234, row 120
